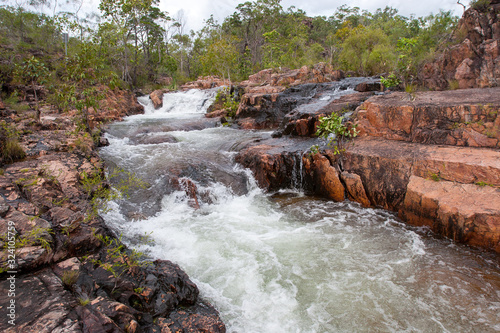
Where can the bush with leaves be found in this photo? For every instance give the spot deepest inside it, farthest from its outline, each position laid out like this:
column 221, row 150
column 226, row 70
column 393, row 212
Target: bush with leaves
column 336, row 132
column 32, row 72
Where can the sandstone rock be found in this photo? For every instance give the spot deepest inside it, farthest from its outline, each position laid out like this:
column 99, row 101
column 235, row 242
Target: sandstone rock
column 157, row 98
column 368, row 86
column 116, row 105
column 465, row 213
column 326, row 178
column 475, row 62
column 304, row 121
column 385, row 167
column 457, row 117
column 355, row 189
column 4, row 207
column 201, row 320
column 275, row 164
column 206, row 82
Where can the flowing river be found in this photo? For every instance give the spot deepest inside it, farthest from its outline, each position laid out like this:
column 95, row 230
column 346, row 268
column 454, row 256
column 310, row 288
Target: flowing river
column 286, row 262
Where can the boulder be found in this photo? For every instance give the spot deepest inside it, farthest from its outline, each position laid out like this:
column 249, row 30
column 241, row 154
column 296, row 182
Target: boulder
column 326, row 178
column 465, row 213
column 157, row 98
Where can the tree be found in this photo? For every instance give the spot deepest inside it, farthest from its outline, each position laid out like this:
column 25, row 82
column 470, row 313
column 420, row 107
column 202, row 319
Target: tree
column 33, row 72
column 368, row 51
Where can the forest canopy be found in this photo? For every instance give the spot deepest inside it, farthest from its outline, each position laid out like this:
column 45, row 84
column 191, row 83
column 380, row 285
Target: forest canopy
column 132, row 43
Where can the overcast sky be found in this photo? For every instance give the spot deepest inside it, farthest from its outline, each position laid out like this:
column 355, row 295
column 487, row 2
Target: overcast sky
column 196, row 11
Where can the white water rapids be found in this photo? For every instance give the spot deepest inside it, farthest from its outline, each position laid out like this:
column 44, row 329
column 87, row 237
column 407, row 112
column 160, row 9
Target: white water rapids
column 286, row 262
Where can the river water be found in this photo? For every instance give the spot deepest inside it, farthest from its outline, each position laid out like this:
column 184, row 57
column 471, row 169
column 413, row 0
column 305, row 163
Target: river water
column 285, row 262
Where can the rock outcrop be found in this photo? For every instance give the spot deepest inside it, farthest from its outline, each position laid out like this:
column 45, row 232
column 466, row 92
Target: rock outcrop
column 268, row 107
column 475, row 62
column 456, row 117
column 206, row 82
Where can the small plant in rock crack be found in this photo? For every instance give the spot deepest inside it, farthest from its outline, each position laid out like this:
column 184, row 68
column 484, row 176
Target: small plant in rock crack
column 100, row 192
column 70, row 277
column 336, row 132
column 119, row 258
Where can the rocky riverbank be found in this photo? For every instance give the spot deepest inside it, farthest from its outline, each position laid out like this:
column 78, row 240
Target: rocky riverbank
column 63, row 269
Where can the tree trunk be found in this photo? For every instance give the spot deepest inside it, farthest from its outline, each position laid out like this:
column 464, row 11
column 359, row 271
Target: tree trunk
column 37, row 109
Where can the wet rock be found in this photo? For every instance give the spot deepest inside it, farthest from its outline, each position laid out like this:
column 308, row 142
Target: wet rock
column 103, row 142
column 270, row 108
column 272, row 169
column 153, row 139
column 202, row 319
column 157, row 98
column 465, row 213
column 355, row 189
column 368, row 86
column 326, row 178
column 303, row 121
column 188, row 186
column 458, row 117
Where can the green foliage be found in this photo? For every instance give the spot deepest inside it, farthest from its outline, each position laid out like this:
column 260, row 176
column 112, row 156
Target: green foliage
column 433, row 176
column 390, row 81
column 367, row 51
column 32, row 72
column 335, row 131
column 83, row 301
column 483, row 184
column 136, row 43
column 10, row 149
column 226, row 99
column 70, row 277
column 36, row 236
column 99, row 191
column 119, row 259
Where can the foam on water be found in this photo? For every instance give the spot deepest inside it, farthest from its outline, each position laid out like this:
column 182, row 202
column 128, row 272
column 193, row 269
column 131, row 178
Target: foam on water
column 291, row 263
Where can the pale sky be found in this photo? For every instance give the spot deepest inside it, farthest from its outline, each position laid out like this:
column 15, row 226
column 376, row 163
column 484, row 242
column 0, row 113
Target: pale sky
column 196, row 11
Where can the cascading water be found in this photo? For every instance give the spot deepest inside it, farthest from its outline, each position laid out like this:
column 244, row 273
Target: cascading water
column 285, row 262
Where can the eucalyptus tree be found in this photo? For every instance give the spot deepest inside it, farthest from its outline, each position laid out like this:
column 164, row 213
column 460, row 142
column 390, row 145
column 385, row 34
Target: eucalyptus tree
column 138, row 24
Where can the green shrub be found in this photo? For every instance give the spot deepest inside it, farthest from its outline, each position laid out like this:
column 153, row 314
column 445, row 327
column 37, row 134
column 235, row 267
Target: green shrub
column 335, row 131
column 12, row 151
column 480, row 5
